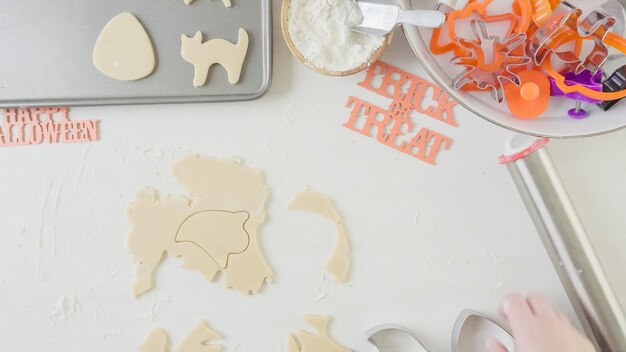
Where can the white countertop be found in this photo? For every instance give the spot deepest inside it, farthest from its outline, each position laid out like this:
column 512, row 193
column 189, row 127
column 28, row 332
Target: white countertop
column 427, row 241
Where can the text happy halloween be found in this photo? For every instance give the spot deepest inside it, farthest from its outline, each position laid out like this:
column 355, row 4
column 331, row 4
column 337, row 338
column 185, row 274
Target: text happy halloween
column 44, row 125
column 393, row 126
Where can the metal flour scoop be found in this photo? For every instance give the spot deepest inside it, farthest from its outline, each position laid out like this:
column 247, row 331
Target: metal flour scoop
column 382, row 16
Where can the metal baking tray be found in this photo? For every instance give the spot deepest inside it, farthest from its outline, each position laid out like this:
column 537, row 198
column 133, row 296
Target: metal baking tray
column 46, row 51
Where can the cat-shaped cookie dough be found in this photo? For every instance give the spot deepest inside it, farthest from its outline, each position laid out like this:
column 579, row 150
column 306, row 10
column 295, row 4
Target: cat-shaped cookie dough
column 217, row 51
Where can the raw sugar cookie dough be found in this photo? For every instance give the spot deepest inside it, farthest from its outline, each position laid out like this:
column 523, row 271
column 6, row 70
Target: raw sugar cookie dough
column 339, row 263
column 216, row 51
column 156, row 341
column 199, row 340
column 124, row 50
column 217, row 232
column 303, row 341
column 214, row 230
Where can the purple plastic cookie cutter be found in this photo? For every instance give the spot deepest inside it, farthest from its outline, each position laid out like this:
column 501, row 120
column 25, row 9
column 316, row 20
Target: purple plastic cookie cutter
column 585, row 79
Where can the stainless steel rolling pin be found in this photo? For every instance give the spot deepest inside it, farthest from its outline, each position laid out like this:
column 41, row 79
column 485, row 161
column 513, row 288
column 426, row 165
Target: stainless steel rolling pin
column 570, row 249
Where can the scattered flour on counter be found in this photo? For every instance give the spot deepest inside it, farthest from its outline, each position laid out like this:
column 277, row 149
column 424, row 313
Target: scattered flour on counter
column 66, row 308
column 320, row 31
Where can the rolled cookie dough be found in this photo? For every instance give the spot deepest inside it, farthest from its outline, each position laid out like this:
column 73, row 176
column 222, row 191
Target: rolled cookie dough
column 199, row 339
column 339, row 263
column 157, row 341
column 303, row 341
column 219, row 233
column 226, row 243
column 123, row 50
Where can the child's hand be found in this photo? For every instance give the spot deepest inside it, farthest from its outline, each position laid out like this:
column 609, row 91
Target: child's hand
column 537, row 327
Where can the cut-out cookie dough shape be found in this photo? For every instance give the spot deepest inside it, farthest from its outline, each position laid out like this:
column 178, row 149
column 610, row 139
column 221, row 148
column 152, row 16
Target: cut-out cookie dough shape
column 339, row 263
column 227, row 3
column 198, row 340
column 124, row 50
column 212, row 184
column 219, row 233
column 217, row 51
column 156, row 341
column 303, row 341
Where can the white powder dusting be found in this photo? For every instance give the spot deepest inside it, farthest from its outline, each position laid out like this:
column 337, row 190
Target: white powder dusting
column 65, row 309
column 320, row 31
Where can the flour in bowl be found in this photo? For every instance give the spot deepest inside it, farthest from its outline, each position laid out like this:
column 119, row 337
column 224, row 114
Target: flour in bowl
column 320, row 31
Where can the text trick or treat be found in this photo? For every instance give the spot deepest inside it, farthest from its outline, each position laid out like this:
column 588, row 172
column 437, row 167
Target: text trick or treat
column 397, row 126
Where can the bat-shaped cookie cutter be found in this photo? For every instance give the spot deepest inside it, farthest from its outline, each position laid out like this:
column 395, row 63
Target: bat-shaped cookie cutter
column 596, row 26
column 470, row 332
column 489, row 74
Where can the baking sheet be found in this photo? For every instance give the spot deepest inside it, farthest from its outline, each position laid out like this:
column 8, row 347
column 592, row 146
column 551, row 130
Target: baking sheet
column 47, row 51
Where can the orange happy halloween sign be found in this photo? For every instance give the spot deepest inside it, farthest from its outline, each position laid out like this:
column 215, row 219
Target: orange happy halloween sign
column 28, row 126
column 395, row 126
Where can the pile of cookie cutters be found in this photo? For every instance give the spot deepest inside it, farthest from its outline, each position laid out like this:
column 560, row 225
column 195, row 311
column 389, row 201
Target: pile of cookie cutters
column 556, row 39
column 548, row 50
column 471, row 331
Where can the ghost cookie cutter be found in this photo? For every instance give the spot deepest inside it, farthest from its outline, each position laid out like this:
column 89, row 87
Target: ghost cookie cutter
column 596, row 26
column 489, row 74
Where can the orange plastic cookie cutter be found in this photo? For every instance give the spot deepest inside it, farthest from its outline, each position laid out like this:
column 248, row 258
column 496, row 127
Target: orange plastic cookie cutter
column 541, row 11
column 554, row 3
column 501, row 50
column 518, row 24
column 525, row 15
column 562, row 36
column 593, row 27
column 489, row 74
column 612, row 40
column 531, row 98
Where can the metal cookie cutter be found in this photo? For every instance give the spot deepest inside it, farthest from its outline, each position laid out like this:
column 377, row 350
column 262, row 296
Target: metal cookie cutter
column 394, row 338
column 472, row 329
column 492, row 74
column 595, row 26
column 517, row 24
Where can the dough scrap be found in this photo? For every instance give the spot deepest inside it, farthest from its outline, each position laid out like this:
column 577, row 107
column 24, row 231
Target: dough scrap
column 124, row 50
column 213, row 185
column 339, row 263
column 157, row 341
column 227, row 3
column 199, row 338
column 303, row 341
column 217, row 51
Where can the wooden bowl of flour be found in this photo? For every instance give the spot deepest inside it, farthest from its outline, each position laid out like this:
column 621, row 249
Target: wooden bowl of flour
column 294, row 50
